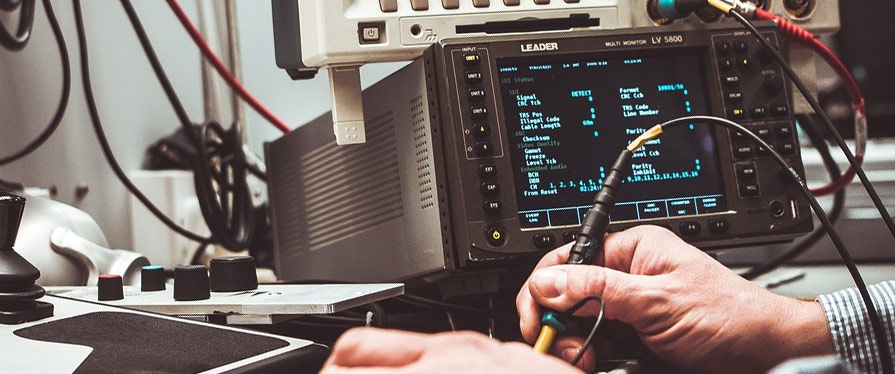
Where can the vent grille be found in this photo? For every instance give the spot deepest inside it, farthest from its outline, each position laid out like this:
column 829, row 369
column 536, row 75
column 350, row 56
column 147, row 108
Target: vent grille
column 420, row 149
column 349, row 189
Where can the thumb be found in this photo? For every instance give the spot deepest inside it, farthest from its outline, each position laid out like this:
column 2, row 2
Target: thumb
column 561, row 287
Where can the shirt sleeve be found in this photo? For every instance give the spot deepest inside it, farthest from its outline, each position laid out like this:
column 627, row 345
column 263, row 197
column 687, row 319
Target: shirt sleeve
column 850, row 325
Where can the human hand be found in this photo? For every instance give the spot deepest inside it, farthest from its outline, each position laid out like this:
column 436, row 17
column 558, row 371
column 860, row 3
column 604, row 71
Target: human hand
column 686, row 307
column 376, row 351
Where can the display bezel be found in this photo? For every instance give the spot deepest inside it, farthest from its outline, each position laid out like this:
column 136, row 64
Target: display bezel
column 698, row 53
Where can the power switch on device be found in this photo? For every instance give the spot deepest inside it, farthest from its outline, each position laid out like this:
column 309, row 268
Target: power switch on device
column 495, row 236
column 371, row 32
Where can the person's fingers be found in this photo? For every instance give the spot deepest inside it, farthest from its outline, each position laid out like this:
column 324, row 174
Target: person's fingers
column 561, row 287
column 555, row 257
column 619, row 248
column 525, row 306
column 371, row 347
column 568, row 347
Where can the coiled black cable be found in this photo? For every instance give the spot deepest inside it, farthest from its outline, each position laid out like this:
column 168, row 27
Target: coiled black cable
column 63, row 100
column 220, row 168
column 104, row 142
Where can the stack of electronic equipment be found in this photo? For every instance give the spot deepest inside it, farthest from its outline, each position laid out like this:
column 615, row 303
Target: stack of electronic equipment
column 487, row 151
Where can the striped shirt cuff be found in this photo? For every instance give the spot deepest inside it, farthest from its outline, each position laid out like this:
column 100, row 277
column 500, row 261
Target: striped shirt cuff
column 850, row 324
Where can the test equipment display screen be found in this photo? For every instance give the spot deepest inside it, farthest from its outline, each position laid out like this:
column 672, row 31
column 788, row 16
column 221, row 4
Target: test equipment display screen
column 568, row 117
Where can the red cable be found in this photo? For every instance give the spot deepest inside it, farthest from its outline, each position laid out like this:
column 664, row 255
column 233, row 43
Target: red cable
column 222, row 70
column 805, row 38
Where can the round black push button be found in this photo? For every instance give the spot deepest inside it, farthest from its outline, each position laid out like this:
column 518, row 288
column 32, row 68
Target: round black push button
column 719, row 226
column 544, row 241
column 492, row 207
column 490, row 189
column 486, row 171
column 495, row 236
column 723, row 48
column 484, row 149
column 690, row 228
column 481, row 130
column 740, row 46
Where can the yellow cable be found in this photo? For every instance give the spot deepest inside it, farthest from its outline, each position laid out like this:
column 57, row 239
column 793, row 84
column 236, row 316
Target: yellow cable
column 645, row 137
column 721, row 5
column 545, row 339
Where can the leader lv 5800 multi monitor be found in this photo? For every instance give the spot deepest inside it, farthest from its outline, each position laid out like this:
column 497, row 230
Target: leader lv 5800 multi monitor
column 488, row 151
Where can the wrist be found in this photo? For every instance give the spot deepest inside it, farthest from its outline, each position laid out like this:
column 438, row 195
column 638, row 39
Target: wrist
column 800, row 331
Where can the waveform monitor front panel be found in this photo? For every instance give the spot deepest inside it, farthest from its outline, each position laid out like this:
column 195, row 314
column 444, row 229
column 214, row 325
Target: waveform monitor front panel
column 567, row 119
column 533, row 123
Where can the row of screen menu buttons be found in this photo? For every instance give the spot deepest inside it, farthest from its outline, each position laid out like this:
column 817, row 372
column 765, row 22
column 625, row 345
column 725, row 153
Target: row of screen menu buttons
column 390, row 6
column 625, row 212
column 688, row 228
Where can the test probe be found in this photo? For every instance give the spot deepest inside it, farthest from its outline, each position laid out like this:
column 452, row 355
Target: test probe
column 588, row 247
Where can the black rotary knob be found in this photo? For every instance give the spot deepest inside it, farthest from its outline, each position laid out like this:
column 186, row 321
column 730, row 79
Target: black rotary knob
column 191, row 283
column 110, row 287
column 152, row 278
column 11, row 209
column 235, row 273
column 773, row 83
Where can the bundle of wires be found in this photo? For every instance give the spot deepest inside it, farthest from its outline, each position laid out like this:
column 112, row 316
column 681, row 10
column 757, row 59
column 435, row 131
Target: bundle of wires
column 802, row 37
column 16, row 43
column 739, row 10
column 220, row 168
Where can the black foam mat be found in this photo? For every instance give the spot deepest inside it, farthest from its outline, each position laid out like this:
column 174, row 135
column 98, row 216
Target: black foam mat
column 130, row 342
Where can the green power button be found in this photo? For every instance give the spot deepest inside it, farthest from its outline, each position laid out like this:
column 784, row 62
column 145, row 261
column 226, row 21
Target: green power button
column 495, row 236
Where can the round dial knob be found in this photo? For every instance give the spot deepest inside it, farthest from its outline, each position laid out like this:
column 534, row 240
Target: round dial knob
column 773, row 83
column 152, row 278
column 110, row 287
column 235, row 273
column 191, row 283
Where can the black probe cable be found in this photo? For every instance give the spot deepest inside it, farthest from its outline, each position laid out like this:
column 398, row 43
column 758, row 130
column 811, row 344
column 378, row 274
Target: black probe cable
column 875, row 320
column 63, row 100
column 834, row 213
column 104, row 142
column 23, row 32
column 874, row 196
column 234, row 237
column 548, row 332
column 879, row 332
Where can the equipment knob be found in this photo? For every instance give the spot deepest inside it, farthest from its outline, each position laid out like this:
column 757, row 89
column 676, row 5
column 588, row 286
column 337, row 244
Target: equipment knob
column 11, row 209
column 152, row 278
column 191, row 283
column 773, row 83
column 110, row 287
column 235, row 273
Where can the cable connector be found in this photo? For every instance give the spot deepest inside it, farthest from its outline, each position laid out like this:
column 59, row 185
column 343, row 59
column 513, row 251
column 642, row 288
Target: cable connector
column 650, row 134
column 742, row 7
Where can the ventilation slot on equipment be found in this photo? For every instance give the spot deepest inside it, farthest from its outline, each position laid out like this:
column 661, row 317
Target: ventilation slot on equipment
column 350, row 189
column 421, row 152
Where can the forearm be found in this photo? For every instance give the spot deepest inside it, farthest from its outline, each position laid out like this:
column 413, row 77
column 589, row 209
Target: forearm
column 849, row 324
column 800, row 330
